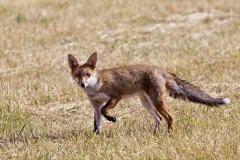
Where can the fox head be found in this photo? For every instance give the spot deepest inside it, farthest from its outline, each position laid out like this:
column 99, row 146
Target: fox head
column 84, row 74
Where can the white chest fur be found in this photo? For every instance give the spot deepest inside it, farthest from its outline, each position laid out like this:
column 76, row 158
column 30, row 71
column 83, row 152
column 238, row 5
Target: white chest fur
column 92, row 89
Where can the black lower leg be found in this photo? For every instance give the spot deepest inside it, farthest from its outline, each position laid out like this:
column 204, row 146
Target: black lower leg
column 109, row 118
column 95, row 128
column 108, row 106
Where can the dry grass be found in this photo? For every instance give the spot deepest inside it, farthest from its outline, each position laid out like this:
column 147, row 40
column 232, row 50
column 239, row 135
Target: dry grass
column 44, row 115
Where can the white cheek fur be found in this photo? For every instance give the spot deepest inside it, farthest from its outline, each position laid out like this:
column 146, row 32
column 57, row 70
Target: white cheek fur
column 92, row 81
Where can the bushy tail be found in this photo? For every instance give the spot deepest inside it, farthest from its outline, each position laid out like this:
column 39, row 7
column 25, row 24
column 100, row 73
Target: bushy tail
column 184, row 90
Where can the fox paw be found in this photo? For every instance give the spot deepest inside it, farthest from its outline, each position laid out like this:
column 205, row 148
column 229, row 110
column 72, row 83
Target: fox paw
column 112, row 119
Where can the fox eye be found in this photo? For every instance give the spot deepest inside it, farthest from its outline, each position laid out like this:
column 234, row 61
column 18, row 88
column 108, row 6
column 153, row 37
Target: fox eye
column 78, row 74
column 88, row 75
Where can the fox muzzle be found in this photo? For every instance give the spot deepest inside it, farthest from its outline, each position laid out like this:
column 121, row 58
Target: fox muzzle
column 82, row 85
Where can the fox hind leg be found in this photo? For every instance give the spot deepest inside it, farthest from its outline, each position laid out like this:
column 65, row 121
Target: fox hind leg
column 146, row 102
column 158, row 101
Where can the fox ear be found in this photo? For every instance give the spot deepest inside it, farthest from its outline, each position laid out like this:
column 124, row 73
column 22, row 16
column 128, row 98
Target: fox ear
column 92, row 60
column 72, row 61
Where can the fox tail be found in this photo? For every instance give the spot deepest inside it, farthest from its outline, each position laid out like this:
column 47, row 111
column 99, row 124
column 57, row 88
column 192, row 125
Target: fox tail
column 184, row 90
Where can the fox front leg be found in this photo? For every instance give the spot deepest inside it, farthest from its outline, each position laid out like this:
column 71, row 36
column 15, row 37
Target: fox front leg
column 97, row 120
column 108, row 106
column 97, row 105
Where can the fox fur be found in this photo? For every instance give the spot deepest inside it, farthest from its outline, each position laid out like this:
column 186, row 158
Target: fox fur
column 105, row 88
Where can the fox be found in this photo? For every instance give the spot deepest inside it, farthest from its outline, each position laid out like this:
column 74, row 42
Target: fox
column 105, row 88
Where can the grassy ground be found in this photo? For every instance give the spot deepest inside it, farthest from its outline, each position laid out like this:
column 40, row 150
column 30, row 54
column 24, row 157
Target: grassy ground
column 45, row 115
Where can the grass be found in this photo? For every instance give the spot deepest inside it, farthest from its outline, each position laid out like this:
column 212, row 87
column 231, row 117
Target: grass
column 44, row 115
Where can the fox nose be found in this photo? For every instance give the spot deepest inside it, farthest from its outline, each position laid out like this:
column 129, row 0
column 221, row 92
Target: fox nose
column 82, row 85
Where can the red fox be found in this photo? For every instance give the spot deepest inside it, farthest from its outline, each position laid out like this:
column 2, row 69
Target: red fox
column 105, row 88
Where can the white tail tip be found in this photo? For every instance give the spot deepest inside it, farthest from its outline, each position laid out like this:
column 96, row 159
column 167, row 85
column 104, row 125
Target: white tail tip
column 226, row 100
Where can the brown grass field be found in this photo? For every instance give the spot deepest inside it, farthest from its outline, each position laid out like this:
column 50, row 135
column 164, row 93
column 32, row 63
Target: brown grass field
column 45, row 115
